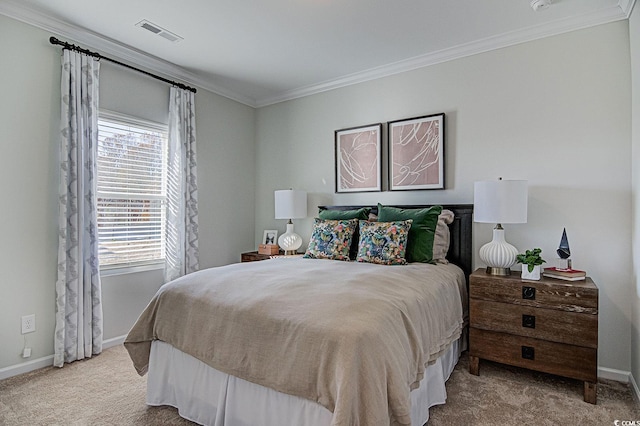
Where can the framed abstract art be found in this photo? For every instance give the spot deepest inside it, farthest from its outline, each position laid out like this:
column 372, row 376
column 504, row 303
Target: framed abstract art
column 416, row 153
column 358, row 152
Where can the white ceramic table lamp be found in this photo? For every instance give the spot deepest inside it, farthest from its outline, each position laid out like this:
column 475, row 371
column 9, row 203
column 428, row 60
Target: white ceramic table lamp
column 290, row 204
column 500, row 201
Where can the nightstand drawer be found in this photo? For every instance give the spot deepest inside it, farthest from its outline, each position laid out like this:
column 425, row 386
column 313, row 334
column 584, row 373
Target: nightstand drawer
column 547, row 324
column 556, row 358
column 571, row 296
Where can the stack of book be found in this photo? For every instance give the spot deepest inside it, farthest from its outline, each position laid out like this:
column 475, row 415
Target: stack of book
column 564, row 274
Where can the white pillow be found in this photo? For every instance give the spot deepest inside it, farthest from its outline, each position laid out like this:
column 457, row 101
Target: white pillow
column 441, row 239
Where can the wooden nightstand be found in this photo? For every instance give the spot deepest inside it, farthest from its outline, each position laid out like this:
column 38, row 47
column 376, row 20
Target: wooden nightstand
column 548, row 325
column 253, row 256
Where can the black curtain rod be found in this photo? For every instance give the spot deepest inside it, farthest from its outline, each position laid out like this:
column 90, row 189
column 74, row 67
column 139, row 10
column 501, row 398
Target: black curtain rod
column 69, row 46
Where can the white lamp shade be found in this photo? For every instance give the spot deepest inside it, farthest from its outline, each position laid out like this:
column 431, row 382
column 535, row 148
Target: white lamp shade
column 291, row 204
column 500, row 201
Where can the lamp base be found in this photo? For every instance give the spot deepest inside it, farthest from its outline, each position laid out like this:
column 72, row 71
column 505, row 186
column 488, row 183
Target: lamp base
column 290, row 242
column 492, row 270
column 498, row 255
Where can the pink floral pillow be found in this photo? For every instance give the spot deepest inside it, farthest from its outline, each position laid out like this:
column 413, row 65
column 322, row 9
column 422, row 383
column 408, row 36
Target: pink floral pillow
column 384, row 243
column 331, row 239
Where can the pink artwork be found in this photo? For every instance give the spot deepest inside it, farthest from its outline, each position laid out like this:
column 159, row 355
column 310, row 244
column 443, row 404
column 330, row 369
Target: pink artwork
column 416, row 153
column 358, row 159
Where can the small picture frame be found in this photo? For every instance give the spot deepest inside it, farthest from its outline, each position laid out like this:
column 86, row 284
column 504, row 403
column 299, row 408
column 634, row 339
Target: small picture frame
column 358, row 152
column 416, row 153
column 270, row 236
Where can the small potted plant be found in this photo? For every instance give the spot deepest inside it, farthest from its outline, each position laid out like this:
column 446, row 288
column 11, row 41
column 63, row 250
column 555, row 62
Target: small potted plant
column 532, row 259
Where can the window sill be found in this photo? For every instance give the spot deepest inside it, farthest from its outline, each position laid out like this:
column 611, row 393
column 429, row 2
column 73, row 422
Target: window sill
column 130, row 269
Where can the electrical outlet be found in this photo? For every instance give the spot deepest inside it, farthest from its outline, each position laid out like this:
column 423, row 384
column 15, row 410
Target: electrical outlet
column 28, row 323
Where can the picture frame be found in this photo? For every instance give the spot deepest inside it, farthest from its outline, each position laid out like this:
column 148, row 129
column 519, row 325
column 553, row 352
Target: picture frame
column 416, row 153
column 358, row 159
column 270, row 236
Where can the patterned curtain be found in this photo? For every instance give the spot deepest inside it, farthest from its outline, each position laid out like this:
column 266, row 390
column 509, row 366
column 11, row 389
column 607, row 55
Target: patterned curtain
column 78, row 331
column 182, row 191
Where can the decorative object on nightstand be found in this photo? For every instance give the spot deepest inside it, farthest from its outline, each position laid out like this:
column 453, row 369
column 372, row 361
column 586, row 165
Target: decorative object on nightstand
column 563, row 251
column 290, row 204
column 565, row 274
column 500, row 201
column 268, row 249
column 270, row 236
column 548, row 325
column 268, row 244
column 531, row 262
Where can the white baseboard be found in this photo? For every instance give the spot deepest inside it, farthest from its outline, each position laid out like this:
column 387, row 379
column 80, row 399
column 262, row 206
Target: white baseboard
column 25, row 367
column 634, row 388
column 613, row 374
column 47, row 361
column 109, row 343
column 621, row 376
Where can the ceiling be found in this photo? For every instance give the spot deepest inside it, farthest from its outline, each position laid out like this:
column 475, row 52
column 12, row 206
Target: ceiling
column 261, row 52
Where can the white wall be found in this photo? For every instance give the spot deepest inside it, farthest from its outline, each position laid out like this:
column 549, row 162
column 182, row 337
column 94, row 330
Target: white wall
column 555, row 112
column 30, row 84
column 29, row 119
column 634, row 36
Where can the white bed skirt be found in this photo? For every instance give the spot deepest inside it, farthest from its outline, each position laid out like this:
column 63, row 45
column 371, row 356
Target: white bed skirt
column 207, row 396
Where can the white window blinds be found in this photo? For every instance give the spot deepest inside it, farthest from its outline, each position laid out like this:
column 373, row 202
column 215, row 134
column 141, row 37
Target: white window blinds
column 132, row 175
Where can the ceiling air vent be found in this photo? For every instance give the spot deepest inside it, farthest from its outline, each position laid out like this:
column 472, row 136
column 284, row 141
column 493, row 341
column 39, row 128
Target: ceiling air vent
column 150, row 26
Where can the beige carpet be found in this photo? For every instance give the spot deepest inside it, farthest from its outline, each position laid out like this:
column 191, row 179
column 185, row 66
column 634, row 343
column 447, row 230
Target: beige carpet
column 106, row 390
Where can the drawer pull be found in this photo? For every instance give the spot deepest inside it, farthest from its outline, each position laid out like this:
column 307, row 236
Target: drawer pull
column 528, row 352
column 529, row 321
column 529, row 293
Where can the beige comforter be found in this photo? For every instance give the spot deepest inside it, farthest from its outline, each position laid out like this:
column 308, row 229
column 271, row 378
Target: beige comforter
column 354, row 337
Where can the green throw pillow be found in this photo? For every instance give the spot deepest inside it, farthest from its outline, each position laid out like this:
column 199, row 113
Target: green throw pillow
column 362, row 214
column 422, row 232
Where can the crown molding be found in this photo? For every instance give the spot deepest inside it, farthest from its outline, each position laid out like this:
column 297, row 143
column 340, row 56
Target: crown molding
column 127, row 54
column 603, row 16
column 117, row 50
column 626, row 6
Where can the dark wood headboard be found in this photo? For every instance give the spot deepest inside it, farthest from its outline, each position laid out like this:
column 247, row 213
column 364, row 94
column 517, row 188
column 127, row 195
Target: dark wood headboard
column 461, row 247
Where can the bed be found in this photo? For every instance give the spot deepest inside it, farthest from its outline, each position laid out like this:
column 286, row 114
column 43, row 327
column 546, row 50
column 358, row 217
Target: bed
column 296, row 341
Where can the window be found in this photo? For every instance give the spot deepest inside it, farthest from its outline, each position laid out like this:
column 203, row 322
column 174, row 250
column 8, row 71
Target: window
column 132, row 176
